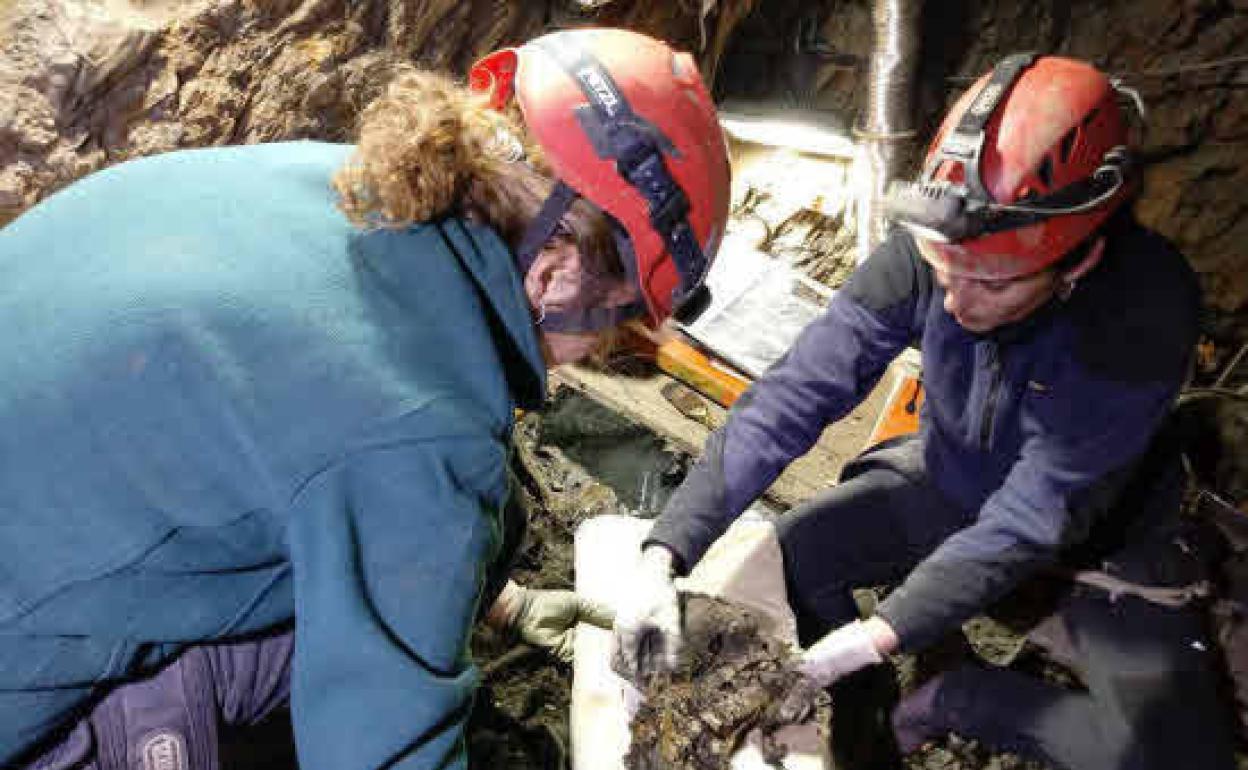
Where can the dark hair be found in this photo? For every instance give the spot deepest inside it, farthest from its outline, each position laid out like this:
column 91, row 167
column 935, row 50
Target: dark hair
column 1072, row 258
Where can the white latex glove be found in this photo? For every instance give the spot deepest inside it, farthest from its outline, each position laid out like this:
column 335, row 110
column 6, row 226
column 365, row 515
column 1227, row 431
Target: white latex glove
column 647, row 619
column 547, row 618
column 841, row 652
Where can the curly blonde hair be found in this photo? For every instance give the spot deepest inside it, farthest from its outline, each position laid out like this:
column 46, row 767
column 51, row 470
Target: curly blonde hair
column 428, row 148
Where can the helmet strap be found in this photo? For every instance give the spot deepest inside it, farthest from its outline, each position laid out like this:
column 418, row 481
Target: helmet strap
column 965, row 143
column 543, row 226
column 637, row 146
column 592, row 319
column 538, row 233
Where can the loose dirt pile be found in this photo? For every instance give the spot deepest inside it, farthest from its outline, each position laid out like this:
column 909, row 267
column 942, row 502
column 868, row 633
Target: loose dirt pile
column 520, row 720
column 736, row 677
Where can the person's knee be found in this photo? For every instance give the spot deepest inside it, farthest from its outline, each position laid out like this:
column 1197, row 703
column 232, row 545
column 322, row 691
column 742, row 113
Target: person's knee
column 168, row 719
column 250, row 678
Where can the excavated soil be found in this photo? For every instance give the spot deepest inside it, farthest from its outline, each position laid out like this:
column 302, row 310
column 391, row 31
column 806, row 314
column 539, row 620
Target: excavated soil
column 520, row 717
column 520, row 720
column 736, row 676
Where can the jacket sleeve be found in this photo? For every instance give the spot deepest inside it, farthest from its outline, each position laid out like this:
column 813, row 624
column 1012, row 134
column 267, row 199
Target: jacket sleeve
column 1060, row 481
column 390, row 551
column 831, row 367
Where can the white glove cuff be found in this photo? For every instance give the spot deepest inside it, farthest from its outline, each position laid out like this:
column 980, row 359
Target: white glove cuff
column 861, row 652
column 841, row 652
column 658, row 560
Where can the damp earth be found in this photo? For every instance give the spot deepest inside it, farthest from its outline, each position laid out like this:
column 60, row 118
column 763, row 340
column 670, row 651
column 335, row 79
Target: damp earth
column 575, row 461
column 582, row 460
column 736, row 676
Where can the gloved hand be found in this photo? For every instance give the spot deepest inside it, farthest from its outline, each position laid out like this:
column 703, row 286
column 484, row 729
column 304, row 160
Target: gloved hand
column 841, row 652
column 547, row 618
column 647, row 623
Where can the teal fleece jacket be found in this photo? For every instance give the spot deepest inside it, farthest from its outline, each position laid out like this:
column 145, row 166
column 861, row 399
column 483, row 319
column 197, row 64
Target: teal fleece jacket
column 223, row 407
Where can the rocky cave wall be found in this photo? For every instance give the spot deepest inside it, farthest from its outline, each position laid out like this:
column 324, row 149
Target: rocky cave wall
column 87, row 83
column 1187, row 58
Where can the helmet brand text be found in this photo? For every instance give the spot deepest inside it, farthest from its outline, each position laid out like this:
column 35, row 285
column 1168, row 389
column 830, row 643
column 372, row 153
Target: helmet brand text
column 601, row 88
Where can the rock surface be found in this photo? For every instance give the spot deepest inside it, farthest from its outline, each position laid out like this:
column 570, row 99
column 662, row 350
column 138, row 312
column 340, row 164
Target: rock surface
column 1187, row 58
column 88, row 83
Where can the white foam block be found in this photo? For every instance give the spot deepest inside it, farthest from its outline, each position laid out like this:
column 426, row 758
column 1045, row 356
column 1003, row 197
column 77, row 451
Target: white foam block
column 744, row 566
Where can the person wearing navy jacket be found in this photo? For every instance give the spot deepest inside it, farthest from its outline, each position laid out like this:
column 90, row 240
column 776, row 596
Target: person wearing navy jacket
column 258, row 404
column 1055, row 334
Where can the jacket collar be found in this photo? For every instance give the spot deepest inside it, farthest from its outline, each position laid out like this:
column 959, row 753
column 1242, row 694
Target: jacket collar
column 490, row 263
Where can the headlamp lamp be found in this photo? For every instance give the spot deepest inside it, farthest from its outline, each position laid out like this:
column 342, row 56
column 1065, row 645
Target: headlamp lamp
column 935, row 211
column 947, row 212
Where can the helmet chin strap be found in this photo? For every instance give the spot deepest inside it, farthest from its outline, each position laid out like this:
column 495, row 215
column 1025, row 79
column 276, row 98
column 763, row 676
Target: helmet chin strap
column 637, row 148
column 576, row 320
column 543, row 225
column 591, row 319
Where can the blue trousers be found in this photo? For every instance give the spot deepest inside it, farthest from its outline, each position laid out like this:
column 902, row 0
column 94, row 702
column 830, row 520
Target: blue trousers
column 1152, row 688
column 170, row 717
column 172, row 720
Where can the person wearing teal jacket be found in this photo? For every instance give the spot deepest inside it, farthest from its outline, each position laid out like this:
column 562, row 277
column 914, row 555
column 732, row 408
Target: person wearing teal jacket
column 257, row 404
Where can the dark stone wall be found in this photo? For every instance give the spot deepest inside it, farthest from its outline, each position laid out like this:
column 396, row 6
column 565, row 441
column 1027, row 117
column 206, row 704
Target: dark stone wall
column 1196, row 144
column 88, row 83
column 85, row 83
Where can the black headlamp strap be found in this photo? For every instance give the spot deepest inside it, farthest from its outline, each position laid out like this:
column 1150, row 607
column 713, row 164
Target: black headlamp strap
column 637, row 146
column 965, row 143
column 1074, row 198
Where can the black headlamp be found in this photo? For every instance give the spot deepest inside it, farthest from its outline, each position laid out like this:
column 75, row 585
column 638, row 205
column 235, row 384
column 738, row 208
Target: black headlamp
column 936, row 211
column 946, row 212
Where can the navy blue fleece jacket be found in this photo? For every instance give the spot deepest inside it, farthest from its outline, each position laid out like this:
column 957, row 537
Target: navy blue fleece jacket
column 1035, row 426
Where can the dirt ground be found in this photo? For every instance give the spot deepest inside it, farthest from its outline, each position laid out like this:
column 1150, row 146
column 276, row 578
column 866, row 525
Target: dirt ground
column 578, row 460
column 520, row 720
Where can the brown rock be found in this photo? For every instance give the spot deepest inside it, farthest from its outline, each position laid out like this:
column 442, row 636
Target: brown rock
column 135, row 77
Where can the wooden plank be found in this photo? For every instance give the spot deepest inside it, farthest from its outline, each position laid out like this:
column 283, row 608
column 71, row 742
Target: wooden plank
column 682, row 360
column 642, row 399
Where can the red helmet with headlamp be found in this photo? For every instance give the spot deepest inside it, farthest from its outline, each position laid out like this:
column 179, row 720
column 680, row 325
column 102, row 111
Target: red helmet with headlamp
column 626, row 123
column 1027, row 165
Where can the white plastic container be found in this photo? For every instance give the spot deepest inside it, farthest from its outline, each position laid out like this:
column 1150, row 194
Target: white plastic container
column 744, row 565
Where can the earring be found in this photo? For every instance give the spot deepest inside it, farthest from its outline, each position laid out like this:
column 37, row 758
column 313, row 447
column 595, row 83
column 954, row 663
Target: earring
column 541, row 313
column 1066, row 289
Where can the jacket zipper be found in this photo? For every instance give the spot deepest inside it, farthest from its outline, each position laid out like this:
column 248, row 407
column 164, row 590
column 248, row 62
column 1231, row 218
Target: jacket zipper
column 990, row 401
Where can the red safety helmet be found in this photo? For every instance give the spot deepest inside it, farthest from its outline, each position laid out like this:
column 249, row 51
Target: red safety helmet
column 1037, row 150
column 627, row 123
